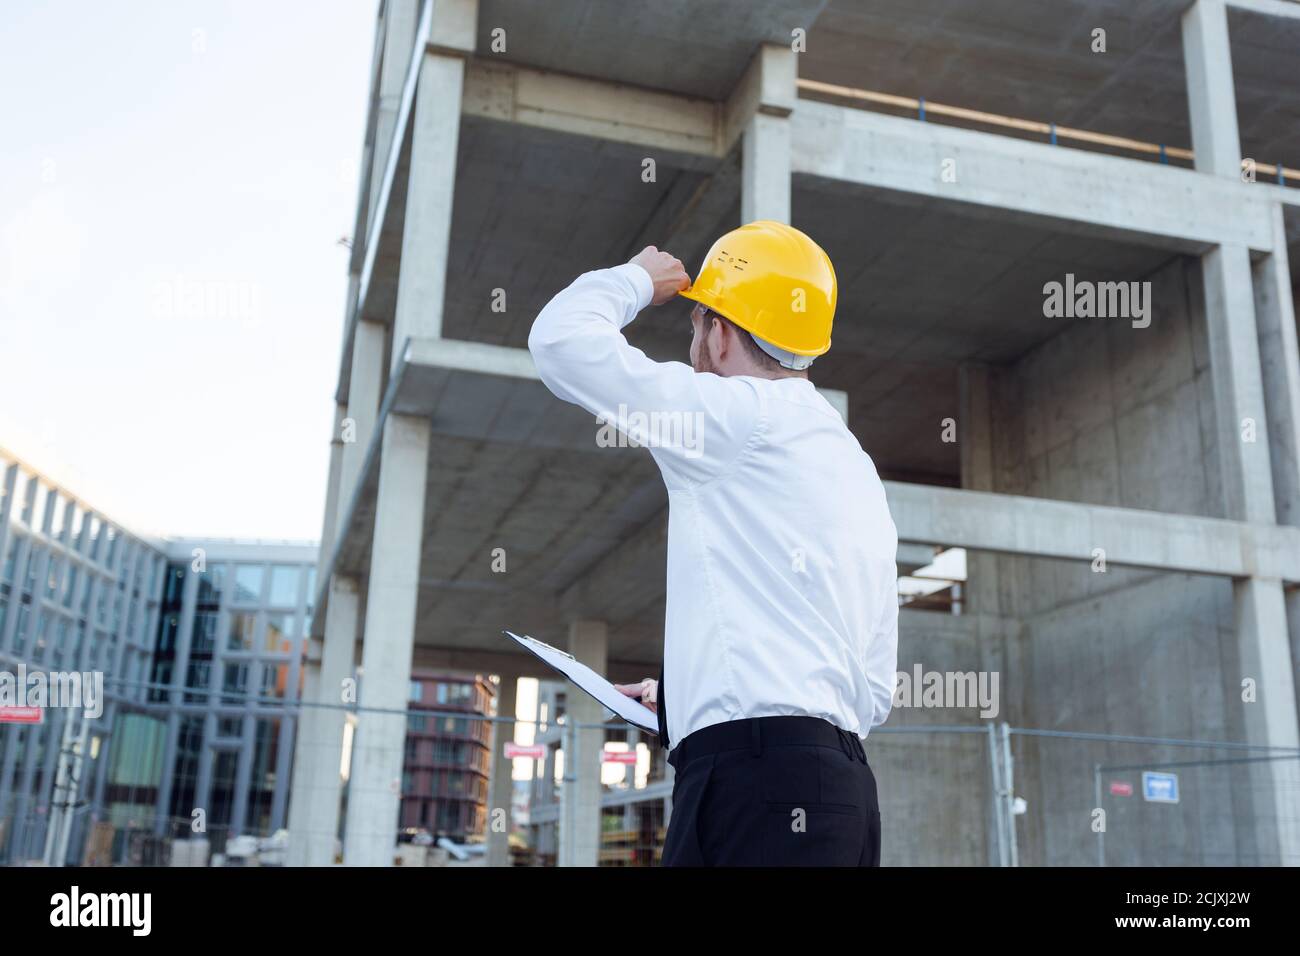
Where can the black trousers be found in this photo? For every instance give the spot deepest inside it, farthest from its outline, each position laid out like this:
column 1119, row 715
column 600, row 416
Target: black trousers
column 772, row 791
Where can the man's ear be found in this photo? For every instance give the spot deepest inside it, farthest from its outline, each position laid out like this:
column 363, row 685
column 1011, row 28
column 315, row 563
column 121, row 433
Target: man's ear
column 724, row 340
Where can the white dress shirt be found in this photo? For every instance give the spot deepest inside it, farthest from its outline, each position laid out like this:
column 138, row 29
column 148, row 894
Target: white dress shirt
column 782, row 590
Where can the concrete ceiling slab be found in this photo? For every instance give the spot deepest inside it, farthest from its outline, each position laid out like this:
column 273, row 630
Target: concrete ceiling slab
column 682, row 46
column 1266, row 68
column 1019, row 58
column 1034, row 60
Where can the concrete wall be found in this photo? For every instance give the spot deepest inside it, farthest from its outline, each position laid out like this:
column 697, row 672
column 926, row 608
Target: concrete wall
column 933, row 786
column 1108, row 414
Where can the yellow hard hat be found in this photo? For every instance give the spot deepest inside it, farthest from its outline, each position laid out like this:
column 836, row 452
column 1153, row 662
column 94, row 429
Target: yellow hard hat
column 775, row 283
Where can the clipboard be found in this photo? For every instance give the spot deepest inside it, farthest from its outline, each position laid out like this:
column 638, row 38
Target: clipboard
column 628, row 708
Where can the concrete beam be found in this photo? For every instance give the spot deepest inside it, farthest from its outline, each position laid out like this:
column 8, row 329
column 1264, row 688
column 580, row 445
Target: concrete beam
column 503, row 360
column 1287, row 9
column 1037, row 527
column 588, row 107
column 768, row 86
column 1075, row 191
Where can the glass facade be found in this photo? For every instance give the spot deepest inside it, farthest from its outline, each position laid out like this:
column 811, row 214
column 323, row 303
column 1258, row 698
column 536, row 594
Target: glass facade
column 239, row 632
column 200, row 648
column 77, row 594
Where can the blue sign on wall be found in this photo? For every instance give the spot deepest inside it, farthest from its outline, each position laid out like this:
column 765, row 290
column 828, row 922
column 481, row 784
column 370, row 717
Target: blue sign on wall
column 1159, row 787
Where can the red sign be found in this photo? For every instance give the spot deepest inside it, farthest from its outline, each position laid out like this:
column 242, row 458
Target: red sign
column 619, row 756
column 21, row 715
column 531, row 751
column 1118, row 788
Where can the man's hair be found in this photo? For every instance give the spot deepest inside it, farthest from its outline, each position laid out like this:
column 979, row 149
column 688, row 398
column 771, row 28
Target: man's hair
column 765, row 361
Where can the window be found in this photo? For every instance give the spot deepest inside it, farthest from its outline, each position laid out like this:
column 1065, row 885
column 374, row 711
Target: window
column 284, row 585
column 280, row 632
column 211, row 583
column 248, row 583
column 162, row 676
column 275, row 677
column 197, row 676
column 234, row 683
column 167, row 639
column 204, row 639
column 243, row 626
column 414, row 692
column 11, row 550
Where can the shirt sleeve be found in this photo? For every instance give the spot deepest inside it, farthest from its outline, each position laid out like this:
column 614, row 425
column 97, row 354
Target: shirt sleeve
column 694, row 423
column 881, row 663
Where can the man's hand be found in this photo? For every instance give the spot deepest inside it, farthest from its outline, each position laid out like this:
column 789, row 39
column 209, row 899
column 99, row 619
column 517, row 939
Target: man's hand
column 666, row 272
column 646, row 691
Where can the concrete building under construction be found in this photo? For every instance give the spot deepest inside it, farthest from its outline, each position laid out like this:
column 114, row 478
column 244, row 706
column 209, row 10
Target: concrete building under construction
column 1066, row 335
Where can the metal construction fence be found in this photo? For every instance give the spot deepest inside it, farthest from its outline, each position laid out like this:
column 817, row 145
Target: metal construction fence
column 978, row 794
column 991, row 794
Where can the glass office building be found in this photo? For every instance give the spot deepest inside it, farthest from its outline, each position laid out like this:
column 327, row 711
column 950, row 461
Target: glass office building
column 227, row 672
column 78, row 593
column 200, row 645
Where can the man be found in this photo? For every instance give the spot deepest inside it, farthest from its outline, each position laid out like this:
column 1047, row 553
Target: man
column 780, row 644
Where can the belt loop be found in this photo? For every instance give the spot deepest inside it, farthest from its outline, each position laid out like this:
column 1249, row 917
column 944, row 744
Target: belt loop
column 845, row 747
column 755, row 738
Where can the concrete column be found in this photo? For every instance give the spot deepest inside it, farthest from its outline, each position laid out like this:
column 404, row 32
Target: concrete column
column 317, row 786
column 374, row 788
column 501, row 779
column 365, row 386
column 1263, row 644
column 580, row 793
column 332, row 504
column 975, row 437
column 400, row 18
column 1264, row 655
column 765, row 170
column 1211, row 96
column 1238, row 385
column 426, row 230
column 765, row 98
column 1280, row 358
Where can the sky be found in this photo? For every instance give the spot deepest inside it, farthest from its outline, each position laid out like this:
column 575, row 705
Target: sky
column 175, row 178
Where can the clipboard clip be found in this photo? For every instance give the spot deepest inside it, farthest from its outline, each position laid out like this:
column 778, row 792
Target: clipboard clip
column 542, row 644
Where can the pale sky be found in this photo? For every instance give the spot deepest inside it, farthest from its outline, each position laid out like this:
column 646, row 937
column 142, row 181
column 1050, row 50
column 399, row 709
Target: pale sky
column 174, row 180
